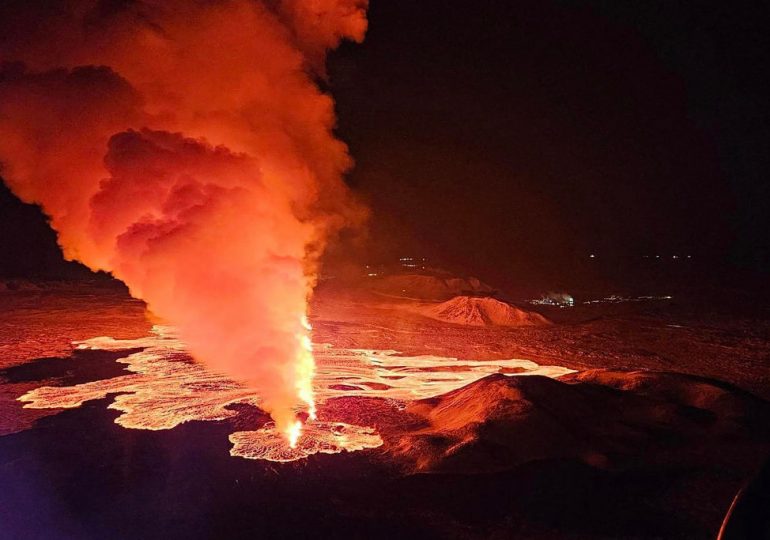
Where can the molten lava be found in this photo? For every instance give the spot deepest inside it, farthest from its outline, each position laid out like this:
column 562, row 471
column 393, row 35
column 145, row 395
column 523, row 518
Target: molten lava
column 319, row 438
column 305, row 374
column 185, row 148
column 164, row 389
column 293, row 433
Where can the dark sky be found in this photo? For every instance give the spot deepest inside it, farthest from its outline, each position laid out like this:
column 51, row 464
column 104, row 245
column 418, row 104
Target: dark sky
column 505, row 136
column 508, row 137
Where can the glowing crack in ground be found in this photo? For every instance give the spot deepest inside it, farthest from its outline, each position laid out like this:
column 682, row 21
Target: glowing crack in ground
column 164, row 389
column 317, row 438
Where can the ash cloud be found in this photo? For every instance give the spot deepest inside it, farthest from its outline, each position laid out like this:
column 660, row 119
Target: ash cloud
column 184, row 147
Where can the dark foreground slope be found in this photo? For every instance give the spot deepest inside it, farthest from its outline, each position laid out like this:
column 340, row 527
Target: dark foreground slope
column 603, row 453
column 617, row 453
column 606, row 419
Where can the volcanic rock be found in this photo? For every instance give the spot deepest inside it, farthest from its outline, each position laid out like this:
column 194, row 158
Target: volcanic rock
column 475, row 311
column 604, row 418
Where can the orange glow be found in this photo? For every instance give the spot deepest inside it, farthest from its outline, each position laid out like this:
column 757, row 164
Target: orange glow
column 206, row 177
column 163, row 391
column 293, row 433
column 306, row 369
column 321, row 438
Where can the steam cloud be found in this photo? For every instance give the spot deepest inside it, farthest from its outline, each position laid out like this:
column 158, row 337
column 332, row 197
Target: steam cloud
column 183, row 146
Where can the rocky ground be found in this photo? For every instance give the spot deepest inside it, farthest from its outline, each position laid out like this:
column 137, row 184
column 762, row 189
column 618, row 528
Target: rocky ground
column 664, row 421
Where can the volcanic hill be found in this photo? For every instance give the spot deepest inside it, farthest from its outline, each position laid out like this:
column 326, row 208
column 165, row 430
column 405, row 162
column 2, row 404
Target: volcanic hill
column 608, row 419
column 486, row 311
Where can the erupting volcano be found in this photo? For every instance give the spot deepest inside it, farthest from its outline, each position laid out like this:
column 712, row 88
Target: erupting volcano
column 206, row 177
column 535, row 308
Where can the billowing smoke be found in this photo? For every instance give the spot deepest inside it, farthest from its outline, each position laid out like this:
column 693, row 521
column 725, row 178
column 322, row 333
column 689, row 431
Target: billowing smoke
column 183, row 146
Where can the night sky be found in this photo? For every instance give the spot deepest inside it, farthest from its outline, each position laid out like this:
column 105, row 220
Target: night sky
column 519, row 137
column 516, row 138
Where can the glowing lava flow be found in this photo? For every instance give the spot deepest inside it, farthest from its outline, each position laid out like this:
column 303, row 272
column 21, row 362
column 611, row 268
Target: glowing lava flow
column 208, row 179
column 319, row 438
column 165, row 388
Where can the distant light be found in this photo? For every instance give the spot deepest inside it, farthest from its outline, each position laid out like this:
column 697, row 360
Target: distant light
column 372, row 275
column 675, row 256
column 689, row 256
column 592, row 256
column 657, row 256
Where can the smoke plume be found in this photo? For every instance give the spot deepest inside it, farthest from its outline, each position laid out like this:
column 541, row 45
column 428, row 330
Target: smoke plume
column 183, row 146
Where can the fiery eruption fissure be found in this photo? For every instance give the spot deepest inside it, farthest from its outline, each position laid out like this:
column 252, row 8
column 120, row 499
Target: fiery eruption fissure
column 305, row 374
column 164, row 390
column 185, row 148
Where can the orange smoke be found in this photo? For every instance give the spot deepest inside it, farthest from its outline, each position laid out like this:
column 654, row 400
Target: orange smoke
column 184, row 147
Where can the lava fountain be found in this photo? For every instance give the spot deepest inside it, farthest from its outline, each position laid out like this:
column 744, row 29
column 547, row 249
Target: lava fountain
column 185, row 148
